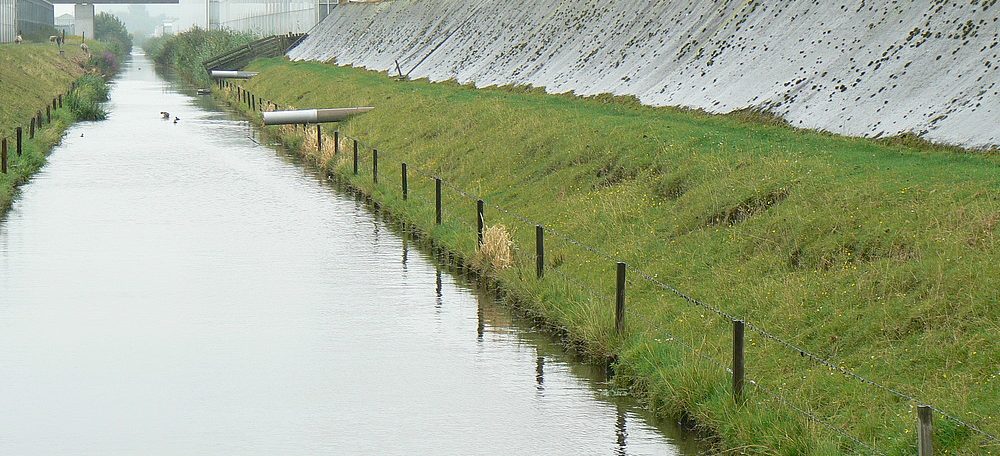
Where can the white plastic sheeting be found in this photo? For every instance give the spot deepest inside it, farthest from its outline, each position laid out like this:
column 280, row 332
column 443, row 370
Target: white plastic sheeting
column 860, row 67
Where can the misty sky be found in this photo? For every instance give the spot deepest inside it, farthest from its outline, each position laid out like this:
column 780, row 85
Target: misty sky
column 188, row 12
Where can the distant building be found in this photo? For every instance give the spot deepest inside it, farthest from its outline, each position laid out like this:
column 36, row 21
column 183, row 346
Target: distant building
column 66, row 23
column 33, row 18
column 164, row 29
column 268, row 17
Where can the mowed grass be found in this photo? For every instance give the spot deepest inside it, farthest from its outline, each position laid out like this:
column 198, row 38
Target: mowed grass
column 877, row 256
column 32, row 75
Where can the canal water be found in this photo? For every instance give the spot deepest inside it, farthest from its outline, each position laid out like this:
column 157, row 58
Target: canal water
column 175, row 288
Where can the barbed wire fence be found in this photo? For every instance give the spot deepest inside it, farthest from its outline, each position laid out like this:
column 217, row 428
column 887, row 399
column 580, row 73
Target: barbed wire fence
column 581, row 290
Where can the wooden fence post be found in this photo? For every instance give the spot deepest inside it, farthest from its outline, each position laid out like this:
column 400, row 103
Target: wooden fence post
column 375, row 166
column 355, row 157
column 437, row 200
column 3, row 157
column 539, row 251
column 19, row 133
column 31, row 132
column 925, row 431
column 336, row 142
column 60, row 100
column 48, row 114
column 406, row 189
column 739, row 366
column 319, row 139
column 620, row 299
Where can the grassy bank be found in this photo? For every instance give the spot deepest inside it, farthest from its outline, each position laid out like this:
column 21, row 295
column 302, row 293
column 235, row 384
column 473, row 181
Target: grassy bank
column 33, row 75
column 865, row 257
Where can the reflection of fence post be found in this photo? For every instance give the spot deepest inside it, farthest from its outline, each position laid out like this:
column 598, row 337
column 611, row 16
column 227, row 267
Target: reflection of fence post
column 336, row 142
column 406, row 189
column 355, row 157
column 539, row 251
column 374, row 166
column 738, row 359
column 620, row 300
column 437, row 200
column 480, row 222
column 925, row 431
column 19, row 132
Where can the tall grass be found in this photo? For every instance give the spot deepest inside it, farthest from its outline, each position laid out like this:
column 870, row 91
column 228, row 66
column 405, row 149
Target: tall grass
column 86, row 100
column 878, row 257
column 186, row 51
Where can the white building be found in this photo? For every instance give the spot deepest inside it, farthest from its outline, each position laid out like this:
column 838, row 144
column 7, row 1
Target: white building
column 263, row 17
column 268, row 17
column 66, row 23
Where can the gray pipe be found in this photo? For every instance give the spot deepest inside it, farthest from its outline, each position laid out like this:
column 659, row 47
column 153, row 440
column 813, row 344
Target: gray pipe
column 227, row 74
column 312, row 115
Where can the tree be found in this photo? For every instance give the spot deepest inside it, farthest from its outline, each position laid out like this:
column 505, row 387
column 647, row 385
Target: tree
column 111, row 30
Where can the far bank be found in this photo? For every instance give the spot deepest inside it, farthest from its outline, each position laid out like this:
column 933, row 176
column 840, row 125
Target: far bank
column 37, row 87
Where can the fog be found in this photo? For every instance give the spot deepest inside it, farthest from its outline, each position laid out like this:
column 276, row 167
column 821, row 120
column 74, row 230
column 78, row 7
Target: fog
column 186, row 15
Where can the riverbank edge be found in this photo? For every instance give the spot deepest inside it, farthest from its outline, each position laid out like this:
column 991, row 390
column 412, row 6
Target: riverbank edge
column 701, row 403
column 35, row 151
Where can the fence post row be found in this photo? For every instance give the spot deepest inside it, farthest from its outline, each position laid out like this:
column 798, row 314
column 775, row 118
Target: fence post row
column 19, row 132
column 375, row 166
column 620, row 299
column 406, row 189
column 738, row 359
column 480, row 222
column 355, row 157
column 925, row 431
column 539, row 251
column 437, row 200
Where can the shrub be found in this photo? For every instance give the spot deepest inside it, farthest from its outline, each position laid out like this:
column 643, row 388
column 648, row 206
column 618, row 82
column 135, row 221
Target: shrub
column 86, row 99
column 187, row 51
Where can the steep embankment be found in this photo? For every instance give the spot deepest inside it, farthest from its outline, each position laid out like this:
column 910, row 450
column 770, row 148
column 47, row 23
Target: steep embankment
column 872, row 68
column 32, row 76
column 876, row 258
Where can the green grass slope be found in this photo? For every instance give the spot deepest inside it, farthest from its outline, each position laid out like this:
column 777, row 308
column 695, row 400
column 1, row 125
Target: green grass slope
column 879, row 258
column 32, row 75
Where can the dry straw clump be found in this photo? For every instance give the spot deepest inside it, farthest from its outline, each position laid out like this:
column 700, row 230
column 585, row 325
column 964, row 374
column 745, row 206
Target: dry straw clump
column 497, row 249
column 309, row 145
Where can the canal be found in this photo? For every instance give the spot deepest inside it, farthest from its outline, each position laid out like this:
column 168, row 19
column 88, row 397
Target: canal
column 176, row 288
